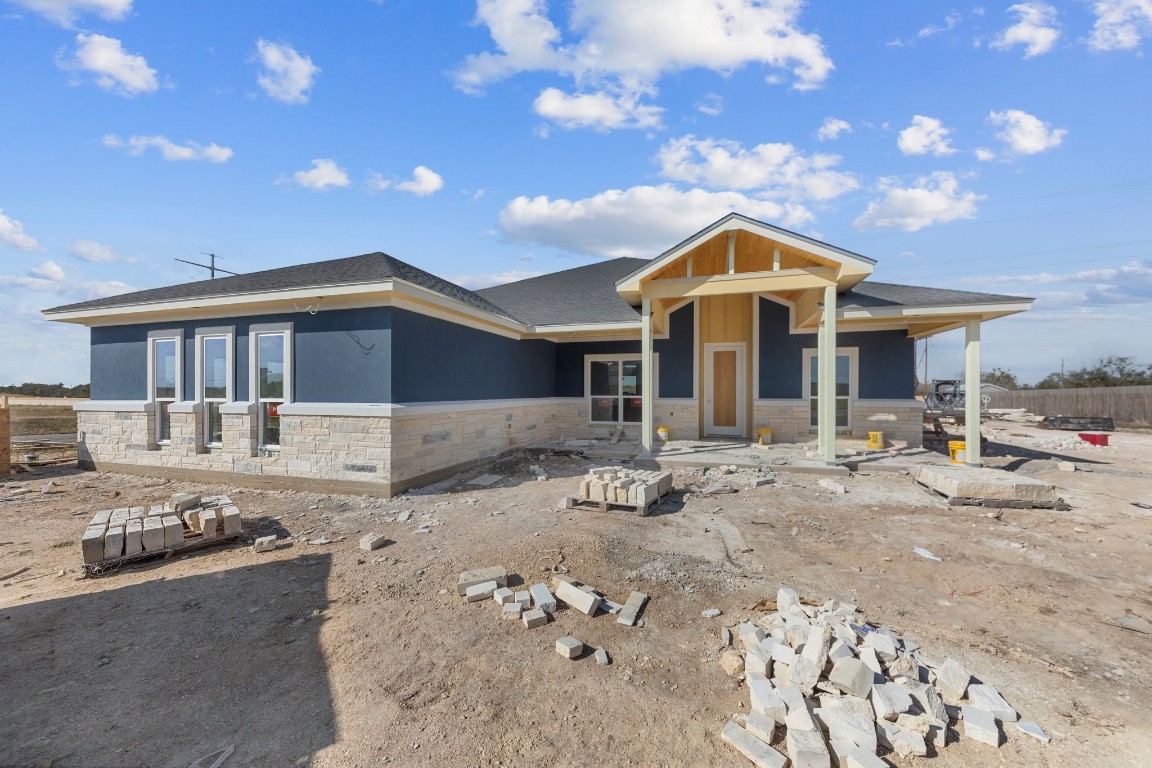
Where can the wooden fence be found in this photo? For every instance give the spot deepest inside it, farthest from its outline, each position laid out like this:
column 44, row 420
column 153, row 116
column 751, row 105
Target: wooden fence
column 1125, row 405
column 5, row 438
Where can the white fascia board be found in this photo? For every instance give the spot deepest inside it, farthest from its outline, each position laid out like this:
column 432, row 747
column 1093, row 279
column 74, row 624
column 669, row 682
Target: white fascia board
column 404, row 288
column 110, row 406
column 549, row 330
column 930, row 311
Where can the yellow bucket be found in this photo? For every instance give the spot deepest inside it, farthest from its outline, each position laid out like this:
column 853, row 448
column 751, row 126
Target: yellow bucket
column 764, row 436
column 663, row 433
column 875, row 441
column 956, row 451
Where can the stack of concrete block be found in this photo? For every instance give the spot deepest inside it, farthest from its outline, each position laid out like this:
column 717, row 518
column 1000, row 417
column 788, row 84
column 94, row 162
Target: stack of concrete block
column 127, row 531
column 619, row 485
column 116, row 533
column 840, row 690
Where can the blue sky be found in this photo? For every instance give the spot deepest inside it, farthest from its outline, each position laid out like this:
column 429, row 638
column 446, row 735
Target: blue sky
column 1000, row 147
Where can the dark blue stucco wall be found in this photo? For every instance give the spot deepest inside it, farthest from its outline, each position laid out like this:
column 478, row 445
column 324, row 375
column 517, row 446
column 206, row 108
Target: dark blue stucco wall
column 675, row 357
column 329, row 364
column 435, row 360
column 887, row 358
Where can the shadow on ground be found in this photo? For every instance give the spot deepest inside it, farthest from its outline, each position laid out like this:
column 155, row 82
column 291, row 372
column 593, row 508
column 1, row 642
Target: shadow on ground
column 162, row 673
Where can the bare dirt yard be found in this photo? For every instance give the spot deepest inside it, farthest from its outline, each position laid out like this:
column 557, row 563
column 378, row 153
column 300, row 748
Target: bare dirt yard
column 320, row 654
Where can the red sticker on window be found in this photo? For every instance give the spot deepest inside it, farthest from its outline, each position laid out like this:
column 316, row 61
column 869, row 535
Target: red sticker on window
column 274, row 410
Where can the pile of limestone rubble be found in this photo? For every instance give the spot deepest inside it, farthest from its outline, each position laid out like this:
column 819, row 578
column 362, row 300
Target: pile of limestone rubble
column 116, row 533
column 842, row 690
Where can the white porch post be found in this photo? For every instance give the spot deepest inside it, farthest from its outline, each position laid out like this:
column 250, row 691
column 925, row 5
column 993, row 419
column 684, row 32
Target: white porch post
column 647, row 377
column 826, row 374
column 972, row 393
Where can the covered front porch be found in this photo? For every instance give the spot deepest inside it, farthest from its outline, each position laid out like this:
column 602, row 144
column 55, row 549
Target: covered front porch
column 786, row 340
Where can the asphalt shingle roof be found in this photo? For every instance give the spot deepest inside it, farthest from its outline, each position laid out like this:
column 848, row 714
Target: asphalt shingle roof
column 870, row 295
column 369, row 268
column 575, row 296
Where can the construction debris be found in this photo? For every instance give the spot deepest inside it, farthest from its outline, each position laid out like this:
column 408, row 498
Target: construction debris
column 569, row 647
column 618, row 489
column 844, row 689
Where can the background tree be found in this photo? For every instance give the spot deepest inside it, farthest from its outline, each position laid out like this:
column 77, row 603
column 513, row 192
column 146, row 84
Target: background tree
column 1000, row 378
column 1114, row 371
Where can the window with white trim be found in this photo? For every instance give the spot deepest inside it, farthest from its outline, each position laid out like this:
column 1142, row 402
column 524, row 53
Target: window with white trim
column 214, row 377
column 614, row 385
column 846, row 381
column 164, row 379
column 273, row 374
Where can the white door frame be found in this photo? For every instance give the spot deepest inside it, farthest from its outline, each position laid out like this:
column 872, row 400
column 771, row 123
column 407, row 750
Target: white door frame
column 741, row 392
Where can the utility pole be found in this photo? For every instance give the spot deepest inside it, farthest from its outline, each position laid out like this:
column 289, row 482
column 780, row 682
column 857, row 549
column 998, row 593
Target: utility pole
column 210, row 266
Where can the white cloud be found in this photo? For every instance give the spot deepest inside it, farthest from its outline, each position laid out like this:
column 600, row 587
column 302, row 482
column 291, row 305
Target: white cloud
column 931, row 30
column 98, row 253
column 934, row 199
column 169, row 150
column 712, row 104
column 1129, row 284
column 599, row 110
column 114, row 68
column 65, row 12
column 324, row 173
column 488, row 279
column 1120, row 24
column 71, row 290
column 775, row 170
column 831, row 129
column 12, row 233
column 286, row 75
column 983, row 154
column 925, row 136
column 640, row 221
column 622, row 48
column 1025, row 134
column 49, row 270
column 1036, row 29
column 424, row 182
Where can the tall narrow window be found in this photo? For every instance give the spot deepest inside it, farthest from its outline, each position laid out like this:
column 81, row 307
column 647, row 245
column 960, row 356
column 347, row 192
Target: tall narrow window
column 270, row 359
column 845, row 388
column 614, row 387
column 164, row 376
column 214, row 373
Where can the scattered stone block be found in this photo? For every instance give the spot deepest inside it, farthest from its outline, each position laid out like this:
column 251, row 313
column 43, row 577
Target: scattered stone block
column 984, row 483
column 503, row 596
column 92, row 544
column 884, row 645
column 370, row 541
column 890, row 700
column 862, row 758
column 192, row 518
column 800, row 719
column 1066, row 466
column 761, row 726
column 183, row 501
column 900, row 740
column 832, row 485
column 602, row 657
column 854, row 728
column 1034, row 730
column 804, row 675
column 209, row 523
column 632, row 608
column 153, row 534
column 230, row 517
column 482, row 591
column 725, row 636
column 534, row 618
column 765, row 699
column 927, row 699
column 174, row 531
column 807, row 749
column 980, row 726
column 542, row 598
column 786, row 598
column 114, row 542
column 760, row 753
column 852, row 676
column 783, row 654
column 711, row 613
column 817, row 645
column 133, row 537
column 986, row 698
column 732, row 663
column 511, row 610
column 871, row 660
column 577, row 599
column 952, row 679
column 569, row 647
column 758, row 660
column 479, row 576
column 524, row 598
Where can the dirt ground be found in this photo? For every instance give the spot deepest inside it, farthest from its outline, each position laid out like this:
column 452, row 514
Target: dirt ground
column 324, row 655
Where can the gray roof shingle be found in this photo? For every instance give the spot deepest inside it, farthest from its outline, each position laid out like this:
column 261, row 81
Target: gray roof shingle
column 574, row 296
column 368, row 268
column 870, row 295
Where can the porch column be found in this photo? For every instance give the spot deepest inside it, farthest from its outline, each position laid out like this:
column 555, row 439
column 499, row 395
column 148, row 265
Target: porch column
column 647, row 378
column 826, row 375
column 972, row 393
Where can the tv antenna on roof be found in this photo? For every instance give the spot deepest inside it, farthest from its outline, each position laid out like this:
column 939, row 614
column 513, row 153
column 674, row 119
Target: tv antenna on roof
column 210, row 266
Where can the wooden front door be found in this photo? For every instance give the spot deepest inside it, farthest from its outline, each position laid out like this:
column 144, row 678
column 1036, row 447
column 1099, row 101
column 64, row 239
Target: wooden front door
column 724, row 390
